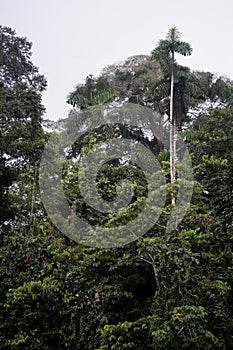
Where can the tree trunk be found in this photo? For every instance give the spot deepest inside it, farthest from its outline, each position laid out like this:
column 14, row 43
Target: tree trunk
column 172, row 132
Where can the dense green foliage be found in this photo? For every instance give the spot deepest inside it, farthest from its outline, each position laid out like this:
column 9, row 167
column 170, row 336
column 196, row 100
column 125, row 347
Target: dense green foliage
column 21, row 134
column 164, row 291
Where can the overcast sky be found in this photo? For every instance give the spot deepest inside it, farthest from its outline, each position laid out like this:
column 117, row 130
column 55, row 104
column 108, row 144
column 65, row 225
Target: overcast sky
column 74, row 38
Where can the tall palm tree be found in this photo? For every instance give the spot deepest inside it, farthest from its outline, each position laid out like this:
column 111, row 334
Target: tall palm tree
column 165, row 54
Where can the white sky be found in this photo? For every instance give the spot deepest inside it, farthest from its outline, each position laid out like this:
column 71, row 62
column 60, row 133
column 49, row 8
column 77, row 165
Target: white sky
column 74, row 38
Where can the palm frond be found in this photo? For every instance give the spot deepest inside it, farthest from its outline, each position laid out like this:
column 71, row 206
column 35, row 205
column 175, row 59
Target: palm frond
column 173, row 35
column 103, row 96
column 182, row 48
column 77, row 99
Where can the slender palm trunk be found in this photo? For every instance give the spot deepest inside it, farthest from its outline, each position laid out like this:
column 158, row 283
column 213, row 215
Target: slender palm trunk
column 172, row 131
